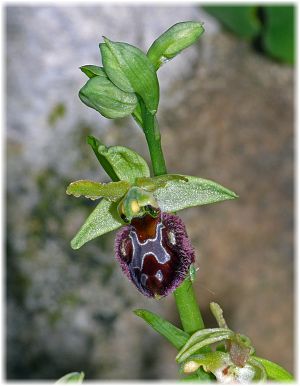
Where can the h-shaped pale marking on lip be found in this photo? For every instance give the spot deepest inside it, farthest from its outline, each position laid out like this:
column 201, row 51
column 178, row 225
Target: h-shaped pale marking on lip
column 149, row 247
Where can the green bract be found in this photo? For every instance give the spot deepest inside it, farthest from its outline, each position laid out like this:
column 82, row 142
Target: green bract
column 119, row 162
column 131, row 70
column 101, row 94
column 274, row 371
column 173, row 41
column 173, row 334
column 90, row 70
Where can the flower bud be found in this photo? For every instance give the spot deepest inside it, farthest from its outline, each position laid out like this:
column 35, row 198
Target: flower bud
column 173, row 41
column 131, row 70
column 101, row 94
column 155, row 253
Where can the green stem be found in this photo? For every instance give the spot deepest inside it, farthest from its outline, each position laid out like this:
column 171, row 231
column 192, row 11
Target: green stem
column 185, row 298
column 152, row 134
column 188, row 307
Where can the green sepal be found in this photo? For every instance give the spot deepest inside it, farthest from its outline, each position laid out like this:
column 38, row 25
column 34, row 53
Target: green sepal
column 279, row 32
column 103, row 219
column 131, row 70
column 91, row 71
column 104, row 96
column 173, row 41
column 112, row 191
column 119, row 162
column 173, row 334
column 274, row 371
column 180, row 194
column 71, row 378
column 201, row 339
column 210, row 362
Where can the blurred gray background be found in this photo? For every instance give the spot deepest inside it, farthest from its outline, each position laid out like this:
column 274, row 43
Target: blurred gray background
column 226, row 114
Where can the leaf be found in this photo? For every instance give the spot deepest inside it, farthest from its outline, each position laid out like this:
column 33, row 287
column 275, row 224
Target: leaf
column 120, row 163
column 173, row 41
column 102, row 95
column 131, row 70
column 113, row 191
column 179, row 194
column 279, row 32
column 103, row 219
column 242, row 20
column 90, row 70
column 154, row 183
column 173, row 334
column 274, row 371
column 71, row 378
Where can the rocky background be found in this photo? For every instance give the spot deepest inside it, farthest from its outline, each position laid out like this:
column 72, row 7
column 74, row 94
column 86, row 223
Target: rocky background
column 226, row 114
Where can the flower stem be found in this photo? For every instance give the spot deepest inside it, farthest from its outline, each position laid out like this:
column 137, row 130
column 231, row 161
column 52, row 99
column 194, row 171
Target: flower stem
column 185, row 298
column 152, row 134
column 188, row 308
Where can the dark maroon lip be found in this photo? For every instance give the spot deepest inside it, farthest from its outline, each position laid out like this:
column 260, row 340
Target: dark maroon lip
column 155, row 253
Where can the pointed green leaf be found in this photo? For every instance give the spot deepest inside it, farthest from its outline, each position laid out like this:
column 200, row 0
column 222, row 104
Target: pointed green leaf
column 131, row 70
column 91, row 71
column 274, row 371
column 120, row 163
column 102, row 95
column 173, row 41
column 179, row 194
column 112, row 191
column 103, row 219
column 71, row 378
column 154, row 183
column 173, row 334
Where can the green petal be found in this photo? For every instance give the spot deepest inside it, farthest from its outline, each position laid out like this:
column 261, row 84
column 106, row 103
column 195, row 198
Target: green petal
column 173, row 334
column 91, row 71
column 103, row 219
column 173, row 41
column 179, row 194
column 120, row 163
column 154, row 183
column 71, row 378
column 131, row 70
column 102, row 95
column 113, row 191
